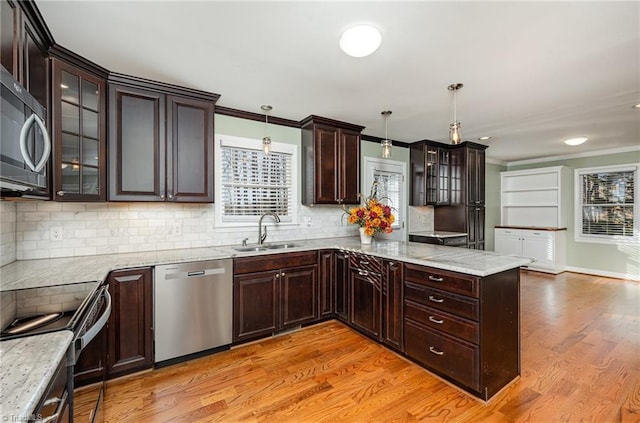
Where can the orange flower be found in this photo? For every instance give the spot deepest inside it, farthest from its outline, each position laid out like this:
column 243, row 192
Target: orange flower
column 373, row 216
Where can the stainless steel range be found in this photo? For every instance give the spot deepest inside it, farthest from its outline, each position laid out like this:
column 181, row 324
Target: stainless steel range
column 83, row 308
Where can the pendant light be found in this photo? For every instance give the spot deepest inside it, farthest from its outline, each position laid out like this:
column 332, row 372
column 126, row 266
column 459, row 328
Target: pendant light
column 454, row 128
column 266, row 141
column 386, row 142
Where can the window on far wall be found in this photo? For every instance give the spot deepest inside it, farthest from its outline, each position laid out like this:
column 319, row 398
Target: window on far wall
column 607, row 204
column 250, row 183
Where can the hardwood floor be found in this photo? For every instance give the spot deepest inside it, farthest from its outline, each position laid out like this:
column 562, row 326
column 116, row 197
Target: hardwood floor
column 580, row 362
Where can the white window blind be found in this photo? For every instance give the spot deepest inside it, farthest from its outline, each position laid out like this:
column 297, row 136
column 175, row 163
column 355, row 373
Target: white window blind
column 389, row 191
column 253, row 183
column 607, row 202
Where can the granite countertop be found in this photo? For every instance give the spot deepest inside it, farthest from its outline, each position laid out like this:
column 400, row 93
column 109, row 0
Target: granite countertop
column 27, row 365
column 439, row 234
column 47, row 272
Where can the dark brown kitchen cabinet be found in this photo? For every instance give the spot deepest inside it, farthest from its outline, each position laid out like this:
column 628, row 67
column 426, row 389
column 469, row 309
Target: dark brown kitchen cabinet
column 341, row 263
column 465, row 328
column 365, row 292
column 468, row 214
column 79, row 129
column 273, row 293
column 160, row 141
column 131, row 323
column 431, row 173
column 392, row 304
column 331, row 161
column 327, row 284
column 24, row 41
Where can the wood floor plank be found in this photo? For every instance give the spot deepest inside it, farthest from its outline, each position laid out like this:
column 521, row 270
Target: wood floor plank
column 580, row 343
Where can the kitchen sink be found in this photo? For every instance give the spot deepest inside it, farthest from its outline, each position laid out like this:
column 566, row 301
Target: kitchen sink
column 278, row 246
column 265, row 247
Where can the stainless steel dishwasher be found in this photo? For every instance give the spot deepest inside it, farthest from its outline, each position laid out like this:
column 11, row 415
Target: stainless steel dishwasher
column 193, row 308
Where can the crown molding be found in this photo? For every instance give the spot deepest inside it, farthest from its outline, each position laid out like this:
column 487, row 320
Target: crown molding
column 574, row 156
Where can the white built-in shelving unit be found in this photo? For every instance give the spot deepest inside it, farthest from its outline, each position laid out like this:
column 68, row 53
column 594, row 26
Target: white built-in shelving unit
column 533, row 208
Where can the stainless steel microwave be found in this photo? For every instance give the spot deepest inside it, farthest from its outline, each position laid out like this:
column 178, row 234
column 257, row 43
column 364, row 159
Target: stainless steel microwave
column 25, row 146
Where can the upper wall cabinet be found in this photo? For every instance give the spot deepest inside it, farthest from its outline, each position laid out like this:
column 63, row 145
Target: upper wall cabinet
column 160, row 141
column 78, row 129
column 24, row 41
column 431, row 173
column 330, row 161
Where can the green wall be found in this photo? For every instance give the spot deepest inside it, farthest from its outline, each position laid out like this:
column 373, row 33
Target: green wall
column 621, row 259
column 492, row 202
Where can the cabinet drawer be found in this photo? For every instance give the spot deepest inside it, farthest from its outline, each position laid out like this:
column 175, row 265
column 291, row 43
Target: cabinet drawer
column 456, row 359
column 440, row 320
column 442, row 300
column 442, row 279
column 363, row 261
column 274, row 262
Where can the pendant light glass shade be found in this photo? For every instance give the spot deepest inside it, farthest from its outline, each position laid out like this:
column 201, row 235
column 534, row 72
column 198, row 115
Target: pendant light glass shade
column 266, row 141
column 386, row 142
column 454, row 128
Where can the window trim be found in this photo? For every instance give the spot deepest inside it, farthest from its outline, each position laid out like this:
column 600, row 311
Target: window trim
column 253, row 144
column 605, row 239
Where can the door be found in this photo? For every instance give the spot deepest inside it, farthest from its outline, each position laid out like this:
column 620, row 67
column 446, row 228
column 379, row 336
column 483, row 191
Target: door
column 508, row 242
column 393, row 316
column 392, row 190
column 349, row 174
column 326, row 281
column 326, row 164
column 131, row 321
column 137, row 162
column 189, row 150
column 254, row 305
column 365, row 310
column 298, row 296
column 342, row 285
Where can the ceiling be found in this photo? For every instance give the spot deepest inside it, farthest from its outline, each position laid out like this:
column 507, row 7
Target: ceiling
column 534, row 73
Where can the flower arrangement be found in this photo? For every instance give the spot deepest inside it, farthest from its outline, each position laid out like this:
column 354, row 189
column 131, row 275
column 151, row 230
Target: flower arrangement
column 372, row 216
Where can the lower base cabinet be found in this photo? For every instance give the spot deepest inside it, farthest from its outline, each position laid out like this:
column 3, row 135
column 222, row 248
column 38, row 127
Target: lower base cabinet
column 130, row 327
column 273, row 293
column 464, row 328
column 547, row 247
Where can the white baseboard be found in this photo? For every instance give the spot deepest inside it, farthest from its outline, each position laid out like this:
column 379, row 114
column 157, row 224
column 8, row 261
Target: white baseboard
column 604, row 273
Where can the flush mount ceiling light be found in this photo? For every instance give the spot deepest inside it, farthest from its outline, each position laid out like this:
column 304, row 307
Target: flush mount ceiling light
column 266, row 141
column 386, row 142
column 360, row 40
column 636, row 106
column 575, row 141
column 454, row 128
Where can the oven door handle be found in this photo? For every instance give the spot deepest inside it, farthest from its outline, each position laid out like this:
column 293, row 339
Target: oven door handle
column 99, row 324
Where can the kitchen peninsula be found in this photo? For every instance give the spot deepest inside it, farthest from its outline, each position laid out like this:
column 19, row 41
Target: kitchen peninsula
column 456, row 306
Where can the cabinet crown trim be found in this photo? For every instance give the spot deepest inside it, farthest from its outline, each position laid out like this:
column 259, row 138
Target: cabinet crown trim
column 314, row 120
column 162, row 87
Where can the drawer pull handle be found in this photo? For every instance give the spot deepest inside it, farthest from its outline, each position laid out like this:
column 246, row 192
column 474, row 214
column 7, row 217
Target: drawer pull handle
column 436, row 352
column 435, row 279
column 434, row 320
column 436, row 300
column 363, row 273
column 364, row 262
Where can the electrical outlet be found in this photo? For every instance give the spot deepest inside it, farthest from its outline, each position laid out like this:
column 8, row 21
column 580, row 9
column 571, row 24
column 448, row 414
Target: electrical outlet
column 176, row 228
column 55, row 233
column 308, row 219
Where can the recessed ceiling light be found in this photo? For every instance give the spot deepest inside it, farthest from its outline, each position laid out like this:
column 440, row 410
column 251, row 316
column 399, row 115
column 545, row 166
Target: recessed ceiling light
column 485, row 138
column 360, row 40
column 575, row 141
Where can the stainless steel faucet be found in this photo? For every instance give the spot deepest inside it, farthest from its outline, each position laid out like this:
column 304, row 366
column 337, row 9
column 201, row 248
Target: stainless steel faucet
column 263, row 236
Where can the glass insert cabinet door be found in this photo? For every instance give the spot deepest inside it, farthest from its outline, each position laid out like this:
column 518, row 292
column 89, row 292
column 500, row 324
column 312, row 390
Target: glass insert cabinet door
column 79, row 134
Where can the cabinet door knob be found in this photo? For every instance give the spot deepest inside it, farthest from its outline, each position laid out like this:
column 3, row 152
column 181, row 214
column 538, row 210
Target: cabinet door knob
column 162, row 196
column 283, row 274
column 170, row 197
column 277, row 275
column 60, row 193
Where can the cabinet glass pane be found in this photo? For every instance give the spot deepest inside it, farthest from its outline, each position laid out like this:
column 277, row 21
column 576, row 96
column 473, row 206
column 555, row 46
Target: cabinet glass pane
column 89, row 123
column 89, row 95
column 70, row 178
column 90, row 152
column 90, row 180
column 69, row 88
column 70, row 148
column 70, row 118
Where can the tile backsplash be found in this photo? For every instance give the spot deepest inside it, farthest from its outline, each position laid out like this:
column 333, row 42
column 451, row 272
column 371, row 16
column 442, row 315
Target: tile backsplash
column 106, row 228
column 7, row 232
